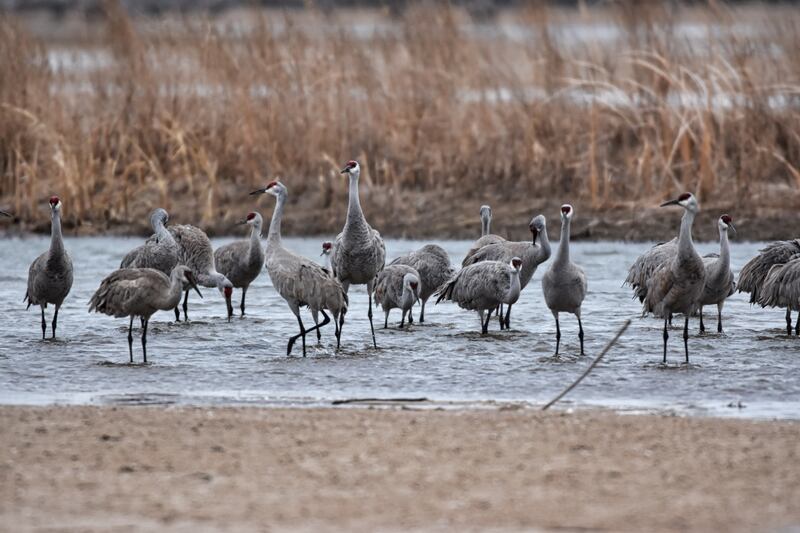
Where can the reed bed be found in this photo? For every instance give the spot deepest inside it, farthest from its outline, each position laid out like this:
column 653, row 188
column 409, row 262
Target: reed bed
column 606, row 108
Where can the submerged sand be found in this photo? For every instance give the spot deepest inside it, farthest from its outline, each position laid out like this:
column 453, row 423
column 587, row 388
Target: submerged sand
column 241, row 469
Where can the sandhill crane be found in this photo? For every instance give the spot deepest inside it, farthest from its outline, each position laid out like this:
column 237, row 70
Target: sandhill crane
column 358, row 252
column 677, row 285
column 564, row 283
column 719, row 282
column 195, row 251
column 755, row 271
column 397, row 286
column 140, row 292
column 159, row 252
column 647, row 263
column 782, row 289
column 486, row 237
column 532, row 255
column 241, row 261
column 300, row 281
column 433, row 266
column 50, row 275
column 327, row 246
column 483, row 287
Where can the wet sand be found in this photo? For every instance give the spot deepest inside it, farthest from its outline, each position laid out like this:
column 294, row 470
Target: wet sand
column 241, row 469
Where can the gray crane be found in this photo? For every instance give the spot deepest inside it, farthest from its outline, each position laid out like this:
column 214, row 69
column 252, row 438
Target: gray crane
column 564, row 284
column 241, row 261
column 647, row 263
column 327, row 246
column 677, row 285
column 433, row 267
column 781, row 288
column 719, row 282
column 50, row 275
column 358, row 252
column 397, row 286
column 483, row 287
column 486, row 237
column 160, row 251
column 754, row 272
column 300, row 281
column 531, row 253
column 195, row 251
column 140, row 292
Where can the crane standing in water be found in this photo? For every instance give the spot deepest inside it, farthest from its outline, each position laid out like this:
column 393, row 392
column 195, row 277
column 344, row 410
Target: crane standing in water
column 141, row 292
column 397, row 286
column 159, row 252
column 241, row 261
column 50, row 275
column 300, row 281
column 719, row 282
column 358, row 252
column 433, row 267
column 754, row 273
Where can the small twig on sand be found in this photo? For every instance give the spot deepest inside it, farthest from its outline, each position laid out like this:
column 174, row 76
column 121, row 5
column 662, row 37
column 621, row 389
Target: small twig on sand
column 594, row 363
column 378, row 400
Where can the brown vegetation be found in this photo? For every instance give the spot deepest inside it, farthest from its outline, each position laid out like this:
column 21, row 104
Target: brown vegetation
column 532, row 109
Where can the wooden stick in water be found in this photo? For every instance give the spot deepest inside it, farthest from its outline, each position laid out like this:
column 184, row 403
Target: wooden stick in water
column 591, row 366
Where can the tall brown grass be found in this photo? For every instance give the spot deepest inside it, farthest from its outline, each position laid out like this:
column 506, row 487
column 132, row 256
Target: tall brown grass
column 191, row 113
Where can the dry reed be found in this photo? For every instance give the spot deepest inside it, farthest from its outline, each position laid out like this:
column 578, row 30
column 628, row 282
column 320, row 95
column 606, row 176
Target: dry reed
column 191, row 113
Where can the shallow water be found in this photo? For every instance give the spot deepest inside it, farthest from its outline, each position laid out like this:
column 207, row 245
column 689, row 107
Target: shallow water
column 752, row 370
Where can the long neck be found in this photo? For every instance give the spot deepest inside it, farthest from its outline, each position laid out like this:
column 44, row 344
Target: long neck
column 408, row 298
column 562, row 255
column 544, row 242
column 162, row 233
column 327, row 261
column 354, row 213
column 514, row 287
column 486, row 226
column 255, row 239
column 275, row 225
column 175, row 289
column 685, row 244
column 56, row 240
column 724, row 247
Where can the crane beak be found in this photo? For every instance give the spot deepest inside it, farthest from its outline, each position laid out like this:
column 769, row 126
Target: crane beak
column 732, row 228
column 193, row 284
column 344, row 171
column 241, row 222
column 671, row 202
column 535, row 233
column 258, row 191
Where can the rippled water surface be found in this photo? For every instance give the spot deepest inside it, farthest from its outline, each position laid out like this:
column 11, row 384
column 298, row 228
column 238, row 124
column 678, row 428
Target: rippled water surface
column 751, row 370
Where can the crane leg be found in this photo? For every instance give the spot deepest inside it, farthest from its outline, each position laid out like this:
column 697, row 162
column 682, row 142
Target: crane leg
column 130, row 340
column 44, row 325
column 788, row 320
column 422, row 313
column 580, row 333
column 369, row 314
column 797, row 325
column 666, row 335
column 485, row 325
column 144, row 339
column 507, row 319
column 186, row 307
column 244, row 293
column 229, row 305
column 302, row 334
column 403, row 319
column 686, row 337
column 339, row 332
column 386, row 320
column 55, row 319
column 315, row 316
column 670, row 318
column 719, row 317
column 177, row 313
column 558, row 333
column 702, row 326
column 500, row 313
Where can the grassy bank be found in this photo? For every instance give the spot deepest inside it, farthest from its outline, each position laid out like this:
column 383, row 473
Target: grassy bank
column 610, row 109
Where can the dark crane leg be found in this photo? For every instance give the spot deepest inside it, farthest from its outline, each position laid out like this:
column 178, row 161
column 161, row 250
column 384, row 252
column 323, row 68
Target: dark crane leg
column 558, row 335
column 177, row 313
column 485, row 324
column 244, row 293
column 702, row 326
column 686, row 337
column 130, row 340
column 144, row 338
column 719, row 318
column 507, row 319
column 580, row 333
column 789, row 321
column 55, row 319
column 44, row 324
column 666, row 335
column 422, row 313
column 186, row 307
column 797, row 326
column 369, row 314
column 500, row 314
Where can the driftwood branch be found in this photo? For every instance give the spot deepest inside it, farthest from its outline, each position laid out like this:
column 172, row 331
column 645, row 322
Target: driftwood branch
column 591, row 366
column 378, row 400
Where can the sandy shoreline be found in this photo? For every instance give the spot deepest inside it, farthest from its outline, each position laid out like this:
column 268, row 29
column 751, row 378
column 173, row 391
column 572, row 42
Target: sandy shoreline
column 235, row 469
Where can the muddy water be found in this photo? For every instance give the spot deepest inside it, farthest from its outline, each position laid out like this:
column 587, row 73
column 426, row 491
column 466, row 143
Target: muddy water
column 752, row 370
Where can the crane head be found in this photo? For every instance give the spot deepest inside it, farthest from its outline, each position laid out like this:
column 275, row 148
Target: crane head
column 55, row 203
column 566, row 211
column 351, row 168
column 685, row 200
column 486, row 211
column 725, row 222
column 516, row 262
column 326, row 248
column 275, row 188
column 537, row 226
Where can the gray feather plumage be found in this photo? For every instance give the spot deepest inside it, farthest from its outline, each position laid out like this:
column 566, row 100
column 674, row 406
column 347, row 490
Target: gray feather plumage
column 389, row 287
column 646, row 265
column 480, row 287
column 755, row 271
column 433, row 266
column 242, row 261
column 781, row 288
column 50, row 274
column 138, row 292
column 159, row 252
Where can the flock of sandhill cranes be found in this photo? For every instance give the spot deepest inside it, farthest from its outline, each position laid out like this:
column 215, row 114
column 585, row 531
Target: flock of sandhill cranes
column 670, row 278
